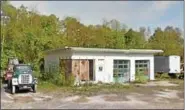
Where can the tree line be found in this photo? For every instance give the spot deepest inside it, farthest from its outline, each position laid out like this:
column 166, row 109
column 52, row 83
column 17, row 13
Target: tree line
column 27, row 34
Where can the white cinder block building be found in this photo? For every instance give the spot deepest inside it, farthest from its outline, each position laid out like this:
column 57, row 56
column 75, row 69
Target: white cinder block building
column 99, row 64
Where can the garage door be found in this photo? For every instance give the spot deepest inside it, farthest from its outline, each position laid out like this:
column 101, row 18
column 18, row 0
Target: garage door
column 121, row 70
column 143, row 67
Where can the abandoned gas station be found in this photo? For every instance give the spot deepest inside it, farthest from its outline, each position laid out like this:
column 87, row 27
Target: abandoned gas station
column 100, row 64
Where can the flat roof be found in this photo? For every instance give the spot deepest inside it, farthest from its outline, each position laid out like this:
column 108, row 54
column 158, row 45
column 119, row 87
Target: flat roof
column 81, row 49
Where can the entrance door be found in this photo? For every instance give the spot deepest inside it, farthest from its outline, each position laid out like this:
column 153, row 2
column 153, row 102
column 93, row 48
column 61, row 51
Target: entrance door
column 91, row 70
column 121, row 70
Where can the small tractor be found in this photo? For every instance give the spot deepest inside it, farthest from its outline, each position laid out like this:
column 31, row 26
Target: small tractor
column 20, row 76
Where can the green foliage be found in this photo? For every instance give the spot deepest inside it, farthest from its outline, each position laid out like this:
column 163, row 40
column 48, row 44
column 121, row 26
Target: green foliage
column 166, row 76
column 169, row 40
column 140, row 77
column 27, row 34
column 46, row 86
column 134, row 39
column 57, row 76
column 36, row 74
column 116, row 77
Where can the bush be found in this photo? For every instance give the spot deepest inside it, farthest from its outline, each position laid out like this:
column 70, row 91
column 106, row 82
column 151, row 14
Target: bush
column 36, row 74
column 157, row 75
column 162, row 76
column 165, row 76
column 58, row 77
column 140, row 77
column 116, row 77
column 69, row 81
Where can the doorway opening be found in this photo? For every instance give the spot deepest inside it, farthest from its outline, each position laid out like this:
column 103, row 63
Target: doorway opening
column 91, row 70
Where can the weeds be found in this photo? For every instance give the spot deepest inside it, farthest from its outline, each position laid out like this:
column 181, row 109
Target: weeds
column 57, row 76
column 177, row 81
column 86, row 89
column 58, row 80
column 140, row 77
column 164, row 76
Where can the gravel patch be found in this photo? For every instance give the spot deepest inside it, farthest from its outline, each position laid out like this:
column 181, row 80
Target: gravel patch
column 115, row 98
column 143, row 97
column 81, row 99
column 167, row 94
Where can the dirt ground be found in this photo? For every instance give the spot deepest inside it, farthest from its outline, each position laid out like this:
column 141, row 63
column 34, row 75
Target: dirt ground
column 153, row 95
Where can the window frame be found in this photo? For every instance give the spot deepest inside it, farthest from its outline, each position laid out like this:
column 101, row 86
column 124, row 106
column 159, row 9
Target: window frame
column 121, row 71
column 142, row 65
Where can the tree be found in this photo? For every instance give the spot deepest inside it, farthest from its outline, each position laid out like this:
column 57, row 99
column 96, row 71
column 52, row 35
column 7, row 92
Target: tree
column 28, row 34
column 167, row 40
column 134, row 39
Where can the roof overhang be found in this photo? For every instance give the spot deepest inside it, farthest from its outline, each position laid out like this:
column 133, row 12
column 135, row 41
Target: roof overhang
column 81, row 49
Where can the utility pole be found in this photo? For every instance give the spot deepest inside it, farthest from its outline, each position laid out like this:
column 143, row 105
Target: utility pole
column 4, row 20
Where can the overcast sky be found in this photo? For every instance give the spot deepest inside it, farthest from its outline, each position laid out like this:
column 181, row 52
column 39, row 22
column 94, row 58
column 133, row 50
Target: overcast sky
column 133, row 13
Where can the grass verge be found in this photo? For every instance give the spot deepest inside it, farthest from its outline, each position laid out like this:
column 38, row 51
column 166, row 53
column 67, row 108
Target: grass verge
column 96, row 89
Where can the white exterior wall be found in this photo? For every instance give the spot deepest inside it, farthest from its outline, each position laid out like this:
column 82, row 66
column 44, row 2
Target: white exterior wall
column 107, row 74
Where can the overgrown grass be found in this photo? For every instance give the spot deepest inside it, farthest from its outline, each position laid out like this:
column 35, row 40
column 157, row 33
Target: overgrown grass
column 163, row 76
column 177, row 81
column 57, row 81
column 86, row 89
column 166, row 76
column 57, row 76
column 47, row 86
column 140, row 77
column 97, row 89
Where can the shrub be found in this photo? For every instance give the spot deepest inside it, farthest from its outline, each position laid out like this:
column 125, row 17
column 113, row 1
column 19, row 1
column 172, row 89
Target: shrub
column 116, row 76
column 36, row 74
column 157, row 75
column 69, row 81
column 140, row 77
column 164, row 76
column 57, row 76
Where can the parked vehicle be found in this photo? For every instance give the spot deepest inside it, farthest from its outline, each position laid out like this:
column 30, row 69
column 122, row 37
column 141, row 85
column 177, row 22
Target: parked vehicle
column 23, row 78
column 7, row 75
column 167, row 64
